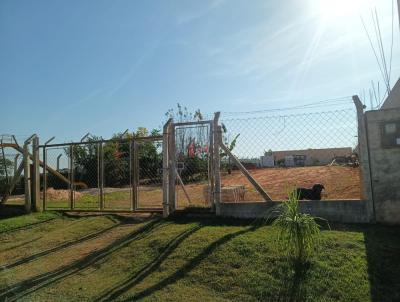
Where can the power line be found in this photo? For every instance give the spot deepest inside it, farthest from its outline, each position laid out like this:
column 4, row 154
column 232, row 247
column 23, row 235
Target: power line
column 327, row 102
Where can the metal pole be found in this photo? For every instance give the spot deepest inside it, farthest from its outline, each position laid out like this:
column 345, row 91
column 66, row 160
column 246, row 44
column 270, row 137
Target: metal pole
column 58, row 162
column 84, row 137
column 131, row 171
column 100, row 168
column 16, row 163
column 135, row 175
column 36, row 175
column 44, row 177
column 171, row 169
column 27, row 179
column 5, row 162
column 71, row 175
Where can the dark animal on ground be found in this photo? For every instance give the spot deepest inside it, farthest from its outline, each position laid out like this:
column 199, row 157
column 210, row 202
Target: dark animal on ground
column 312, row 194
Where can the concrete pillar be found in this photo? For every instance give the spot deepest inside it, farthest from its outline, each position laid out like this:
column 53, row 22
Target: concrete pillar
column 216, row 163
column 27, row 179
column 364, row 159
column 36, row 204
column 166, row 167
column 172, row 169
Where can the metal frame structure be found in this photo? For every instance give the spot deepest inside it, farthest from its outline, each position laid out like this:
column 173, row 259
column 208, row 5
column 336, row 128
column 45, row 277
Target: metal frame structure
column 170, row 177
column 133, row 171
column 31, row 164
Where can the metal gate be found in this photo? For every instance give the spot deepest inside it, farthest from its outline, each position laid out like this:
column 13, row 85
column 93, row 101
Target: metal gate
column 106, row 175
column 192, row 164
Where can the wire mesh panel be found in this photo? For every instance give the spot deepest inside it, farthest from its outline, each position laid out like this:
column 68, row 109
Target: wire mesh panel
column 58, row 178
column 192, row 158
column 294, row 150
column 149, row 174
column 11, row 186
column 86, row 176
column 117, row 191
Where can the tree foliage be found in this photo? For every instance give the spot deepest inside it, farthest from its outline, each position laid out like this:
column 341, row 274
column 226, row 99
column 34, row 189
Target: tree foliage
column 117, row 157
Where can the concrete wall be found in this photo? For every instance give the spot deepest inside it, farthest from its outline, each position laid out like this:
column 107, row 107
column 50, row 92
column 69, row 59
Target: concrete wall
column 385, row 167
column 347, row 211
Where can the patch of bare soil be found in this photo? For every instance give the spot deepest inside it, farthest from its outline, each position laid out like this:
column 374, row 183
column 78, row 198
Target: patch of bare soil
column 340, row 182
column 53, row 194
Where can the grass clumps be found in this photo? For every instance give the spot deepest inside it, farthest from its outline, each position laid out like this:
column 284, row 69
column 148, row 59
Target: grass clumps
column 299, row 235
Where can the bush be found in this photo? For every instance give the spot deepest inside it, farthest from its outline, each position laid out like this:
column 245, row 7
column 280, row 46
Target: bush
column 299, row 233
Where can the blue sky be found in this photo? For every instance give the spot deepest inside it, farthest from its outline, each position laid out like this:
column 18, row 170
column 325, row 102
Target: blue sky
column 71, row 67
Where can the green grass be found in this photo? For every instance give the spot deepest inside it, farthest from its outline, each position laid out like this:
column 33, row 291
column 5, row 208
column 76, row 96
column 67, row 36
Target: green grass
column 112, row 200
column 10, row 224
column 103, row 258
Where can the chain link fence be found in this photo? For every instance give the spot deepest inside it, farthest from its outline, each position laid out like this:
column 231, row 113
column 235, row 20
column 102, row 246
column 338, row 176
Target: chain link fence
column 11, row 160
column 149, row 174
column 193, row 165
column 292, row 150
column 117, row 174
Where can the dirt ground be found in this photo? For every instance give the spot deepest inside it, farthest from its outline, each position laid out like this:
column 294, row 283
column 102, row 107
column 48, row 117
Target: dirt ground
column 339, row 182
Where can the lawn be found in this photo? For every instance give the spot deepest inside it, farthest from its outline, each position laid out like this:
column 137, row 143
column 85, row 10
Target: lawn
column 70, row 257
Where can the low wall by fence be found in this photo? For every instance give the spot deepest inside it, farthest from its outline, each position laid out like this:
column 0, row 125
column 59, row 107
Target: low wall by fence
column 346, row 211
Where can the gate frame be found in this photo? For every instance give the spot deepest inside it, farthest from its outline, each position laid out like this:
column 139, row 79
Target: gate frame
column 170, row 176
column 133, row 171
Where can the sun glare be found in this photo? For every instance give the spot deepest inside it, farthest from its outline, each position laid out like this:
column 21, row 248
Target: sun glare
column 338, row 8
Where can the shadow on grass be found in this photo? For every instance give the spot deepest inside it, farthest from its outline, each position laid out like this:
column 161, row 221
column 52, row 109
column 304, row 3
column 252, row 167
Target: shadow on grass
column 21, row 245
column 382, row 245
column 383, row 255
column 59, row 247
column 181, row 273
column 294, row 289
column 11, row 210
column 149, row 268
column 23, row 288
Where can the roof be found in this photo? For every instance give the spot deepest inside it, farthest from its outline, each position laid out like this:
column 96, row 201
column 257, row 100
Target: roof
column 393, row 99
column 316, row 153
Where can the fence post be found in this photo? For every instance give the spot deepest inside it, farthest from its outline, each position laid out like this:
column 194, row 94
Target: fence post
column 71, row 176
column 363, row 153
column 217, row 139
column 211, row 167
column 100, row 166
column 27, row 179
column 172, row 169
column 44, row 206
column 166, row 130
column 36, row 176
column 16, row 163
column 135, row 174
column 132, row 166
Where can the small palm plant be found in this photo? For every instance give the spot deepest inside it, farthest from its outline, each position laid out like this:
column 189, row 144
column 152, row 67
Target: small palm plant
column 299, row 233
